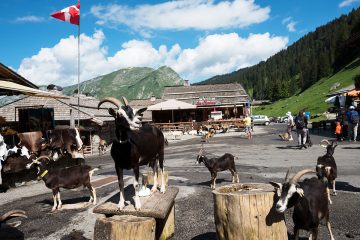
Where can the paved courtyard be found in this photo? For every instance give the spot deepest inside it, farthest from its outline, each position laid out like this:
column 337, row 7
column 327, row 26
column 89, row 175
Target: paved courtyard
column 262, row 159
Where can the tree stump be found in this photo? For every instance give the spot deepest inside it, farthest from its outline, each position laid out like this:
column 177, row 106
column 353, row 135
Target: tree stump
column 148, row 178
column 246, row 212
column 125, row 227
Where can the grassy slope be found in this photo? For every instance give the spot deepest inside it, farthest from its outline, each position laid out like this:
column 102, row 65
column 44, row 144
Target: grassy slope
column 312, row 99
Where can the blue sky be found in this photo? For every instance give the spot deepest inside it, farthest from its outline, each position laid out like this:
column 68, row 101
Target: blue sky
column 197, row 38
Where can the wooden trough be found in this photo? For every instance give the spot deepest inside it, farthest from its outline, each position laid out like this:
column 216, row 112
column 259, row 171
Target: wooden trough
column 245, row 212
column 155, row 220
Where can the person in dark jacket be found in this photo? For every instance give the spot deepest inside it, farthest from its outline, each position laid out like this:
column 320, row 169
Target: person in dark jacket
column 353, row 122
column 301, row 123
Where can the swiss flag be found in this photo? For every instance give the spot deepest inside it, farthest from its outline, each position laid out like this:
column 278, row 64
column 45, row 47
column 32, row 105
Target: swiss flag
column 70, row 14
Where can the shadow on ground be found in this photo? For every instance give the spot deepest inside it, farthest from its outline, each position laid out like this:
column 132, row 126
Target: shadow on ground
column 206, row 236
column 345, row 186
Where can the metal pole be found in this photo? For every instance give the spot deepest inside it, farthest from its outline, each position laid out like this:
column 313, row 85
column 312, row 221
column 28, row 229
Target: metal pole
column 79, row 75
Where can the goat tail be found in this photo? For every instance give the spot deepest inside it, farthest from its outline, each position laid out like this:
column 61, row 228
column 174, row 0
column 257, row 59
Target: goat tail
column 91, row 172
column 166, row 142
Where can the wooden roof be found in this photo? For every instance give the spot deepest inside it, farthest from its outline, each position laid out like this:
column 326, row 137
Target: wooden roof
column 88, row 108
column 220, row 94
column 7, row 74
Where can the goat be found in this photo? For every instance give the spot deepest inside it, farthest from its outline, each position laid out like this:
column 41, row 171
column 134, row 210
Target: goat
column 68, row 178
column 218, row 164
column 308, row 199
column 102, row 146
column 8, row 229
column 208, row 135
column 65, row 141
column 284, row 136
column 326, row 166
column 136, row 145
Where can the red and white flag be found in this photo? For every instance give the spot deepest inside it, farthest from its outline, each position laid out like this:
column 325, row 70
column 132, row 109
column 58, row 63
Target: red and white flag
column 70, row 14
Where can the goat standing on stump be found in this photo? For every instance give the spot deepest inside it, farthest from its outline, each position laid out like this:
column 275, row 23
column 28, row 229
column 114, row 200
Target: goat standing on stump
column 136, row 145
column 69, row 178
column 218, row 164
column 308, row 199
column 326, row 166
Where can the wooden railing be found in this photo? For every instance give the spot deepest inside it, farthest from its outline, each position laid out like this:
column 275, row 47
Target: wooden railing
column 185, row 126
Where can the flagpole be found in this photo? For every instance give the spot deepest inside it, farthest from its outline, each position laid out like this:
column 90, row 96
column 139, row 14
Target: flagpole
column 79, row 72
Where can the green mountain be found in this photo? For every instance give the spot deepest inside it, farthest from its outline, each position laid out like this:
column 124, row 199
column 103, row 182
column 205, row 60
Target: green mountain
column 133, row 83
column 317, row 55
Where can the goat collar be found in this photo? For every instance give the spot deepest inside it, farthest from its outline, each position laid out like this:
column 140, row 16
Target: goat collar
column 44, row 173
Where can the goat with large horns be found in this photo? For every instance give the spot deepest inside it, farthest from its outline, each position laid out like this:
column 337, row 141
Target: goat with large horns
column 8, row 228
column 308, row 199
column 326, row 166
column 136, row 145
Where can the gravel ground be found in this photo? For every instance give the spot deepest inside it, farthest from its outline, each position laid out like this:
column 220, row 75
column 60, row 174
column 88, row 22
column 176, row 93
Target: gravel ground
column 263, row 159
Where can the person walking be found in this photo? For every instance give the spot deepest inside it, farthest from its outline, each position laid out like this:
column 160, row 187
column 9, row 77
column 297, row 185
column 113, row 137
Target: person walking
column 290, row 125
column 247, row 122
column 301, row 123
column 353, row 121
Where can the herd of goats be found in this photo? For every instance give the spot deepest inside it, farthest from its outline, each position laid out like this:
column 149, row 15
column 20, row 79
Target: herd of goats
column 138, row 145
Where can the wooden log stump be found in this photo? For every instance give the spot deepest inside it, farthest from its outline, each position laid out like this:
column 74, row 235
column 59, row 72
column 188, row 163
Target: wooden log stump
column 246, row 212
column 125, row 227
column 148, row 178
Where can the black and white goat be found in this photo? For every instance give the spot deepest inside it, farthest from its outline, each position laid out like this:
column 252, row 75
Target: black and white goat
column 326, row 166
column 136, row 145
column 68, row 178
column 218, row 164
column 308, row 199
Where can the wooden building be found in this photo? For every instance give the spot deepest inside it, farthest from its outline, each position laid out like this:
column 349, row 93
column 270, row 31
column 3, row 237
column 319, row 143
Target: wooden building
column 32, row 113
column 230, row 100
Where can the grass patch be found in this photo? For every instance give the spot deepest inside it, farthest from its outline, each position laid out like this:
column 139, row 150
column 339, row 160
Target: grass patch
column 313, row 98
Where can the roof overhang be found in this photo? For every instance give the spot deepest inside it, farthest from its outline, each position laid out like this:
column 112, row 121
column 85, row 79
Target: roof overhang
column 11, row 88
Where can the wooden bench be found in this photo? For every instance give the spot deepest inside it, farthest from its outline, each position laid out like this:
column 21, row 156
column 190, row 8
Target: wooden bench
column 155, row 220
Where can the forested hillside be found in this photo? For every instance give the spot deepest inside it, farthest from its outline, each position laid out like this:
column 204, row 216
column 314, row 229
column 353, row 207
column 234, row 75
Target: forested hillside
column 318, row 54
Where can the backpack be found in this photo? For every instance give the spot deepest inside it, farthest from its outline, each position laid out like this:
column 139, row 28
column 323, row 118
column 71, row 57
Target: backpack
column 300, row 122
column 354, row 117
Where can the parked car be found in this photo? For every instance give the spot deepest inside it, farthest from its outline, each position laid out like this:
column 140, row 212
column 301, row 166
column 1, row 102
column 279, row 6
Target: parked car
column 261, row 120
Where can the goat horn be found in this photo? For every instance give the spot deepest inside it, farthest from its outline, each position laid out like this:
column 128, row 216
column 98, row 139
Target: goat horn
column 112, row 100
column 125, row 101
column 298, row 175
column 324, row 141
column 43, row 157
column 12, row 214
column 287, row 175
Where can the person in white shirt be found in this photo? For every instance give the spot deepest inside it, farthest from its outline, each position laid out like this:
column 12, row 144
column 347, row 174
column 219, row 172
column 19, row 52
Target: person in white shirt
column 290, row 125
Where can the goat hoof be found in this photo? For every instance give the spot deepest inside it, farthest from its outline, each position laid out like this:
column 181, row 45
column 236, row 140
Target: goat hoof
column 334, row 194
column 162, row 190
column 154, row 190
column 53, row 209
column 121, row 206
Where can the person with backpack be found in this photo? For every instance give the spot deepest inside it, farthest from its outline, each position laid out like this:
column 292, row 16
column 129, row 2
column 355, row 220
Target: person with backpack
column 301, row 123
column 353, row 120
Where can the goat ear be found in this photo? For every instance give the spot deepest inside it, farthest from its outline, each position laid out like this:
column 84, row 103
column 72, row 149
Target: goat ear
column 125, row 101
column 300, row 191
column 276, row 185
column 140, row 111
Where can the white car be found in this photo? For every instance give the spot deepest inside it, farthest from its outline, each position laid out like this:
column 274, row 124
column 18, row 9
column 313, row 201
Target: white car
column 260, row 120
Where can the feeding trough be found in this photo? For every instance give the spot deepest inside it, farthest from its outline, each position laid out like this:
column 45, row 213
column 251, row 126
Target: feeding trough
column 245, row 212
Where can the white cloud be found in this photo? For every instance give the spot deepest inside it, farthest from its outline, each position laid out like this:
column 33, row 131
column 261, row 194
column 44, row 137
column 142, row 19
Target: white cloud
column 215, row 54
column 347, row 3
column 290, row 24
column 27, row 19
column 180, row 15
